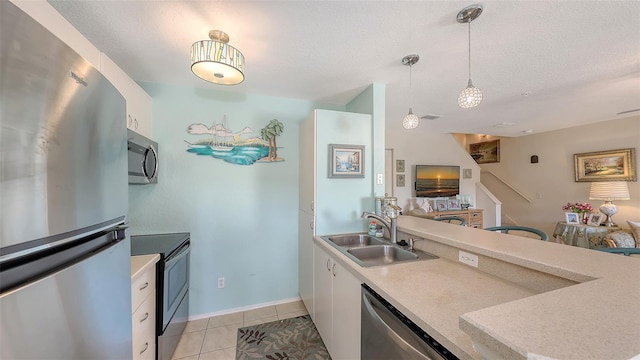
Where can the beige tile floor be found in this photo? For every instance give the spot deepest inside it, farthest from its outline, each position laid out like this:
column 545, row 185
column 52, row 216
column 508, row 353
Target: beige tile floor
column 215, row 338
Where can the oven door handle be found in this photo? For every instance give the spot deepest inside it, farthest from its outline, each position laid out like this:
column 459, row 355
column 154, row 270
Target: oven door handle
column 374, row 311
column 179, row 254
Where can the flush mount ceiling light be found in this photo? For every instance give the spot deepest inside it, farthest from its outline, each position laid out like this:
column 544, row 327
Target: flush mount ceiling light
column 216, row 61
column 471, row 96
column 410, row 121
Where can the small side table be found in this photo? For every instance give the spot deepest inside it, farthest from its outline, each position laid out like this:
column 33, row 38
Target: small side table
column 585, row 236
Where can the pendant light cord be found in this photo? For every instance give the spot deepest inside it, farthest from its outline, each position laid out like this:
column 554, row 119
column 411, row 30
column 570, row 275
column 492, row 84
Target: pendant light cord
column 469, row 49
column 410, row 92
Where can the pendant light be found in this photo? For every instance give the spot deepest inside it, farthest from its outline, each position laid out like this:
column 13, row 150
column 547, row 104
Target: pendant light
column 410, row 121
column 471, row 96
column 216, row 61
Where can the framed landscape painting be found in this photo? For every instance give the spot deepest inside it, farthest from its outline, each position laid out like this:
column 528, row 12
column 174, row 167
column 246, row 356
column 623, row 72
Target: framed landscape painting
column 610, row 165
column 346, row 161
column 485, row 152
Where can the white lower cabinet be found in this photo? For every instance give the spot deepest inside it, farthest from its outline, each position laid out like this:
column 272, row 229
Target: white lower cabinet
column 143, row 317
column 336, row 306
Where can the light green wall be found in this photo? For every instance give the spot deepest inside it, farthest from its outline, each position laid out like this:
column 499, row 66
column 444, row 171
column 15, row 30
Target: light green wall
column 372, row 101
column 242, row 219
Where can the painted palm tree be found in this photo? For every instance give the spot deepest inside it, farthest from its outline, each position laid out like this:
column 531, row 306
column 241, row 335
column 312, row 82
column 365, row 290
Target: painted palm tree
column 270, row 133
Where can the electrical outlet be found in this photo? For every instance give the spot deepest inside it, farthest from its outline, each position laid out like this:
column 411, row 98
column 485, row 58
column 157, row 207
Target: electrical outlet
column 468, row 258
column 220, row 282
column 380, row 179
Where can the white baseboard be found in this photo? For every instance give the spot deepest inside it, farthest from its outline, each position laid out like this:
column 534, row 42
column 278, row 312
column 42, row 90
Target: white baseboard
column 244, row 308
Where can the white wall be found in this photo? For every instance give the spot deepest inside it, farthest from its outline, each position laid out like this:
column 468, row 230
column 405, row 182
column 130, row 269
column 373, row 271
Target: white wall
column 550, row 183
column 422, row 147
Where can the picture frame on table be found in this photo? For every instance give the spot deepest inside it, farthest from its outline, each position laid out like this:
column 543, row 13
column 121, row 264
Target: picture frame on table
column 453, row 204
column 610, row 165
column 441, row 204
column 595, row 219
column 572, row 218
column 346, row 161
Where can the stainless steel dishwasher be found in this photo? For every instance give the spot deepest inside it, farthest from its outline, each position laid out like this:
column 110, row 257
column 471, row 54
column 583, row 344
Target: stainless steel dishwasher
column 388, row 334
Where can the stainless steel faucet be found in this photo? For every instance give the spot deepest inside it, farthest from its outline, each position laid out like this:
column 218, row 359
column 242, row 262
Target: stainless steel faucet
column 391, row 226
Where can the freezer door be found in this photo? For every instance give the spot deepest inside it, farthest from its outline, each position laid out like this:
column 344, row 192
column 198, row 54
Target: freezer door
column 82, row 311
column 63, row 142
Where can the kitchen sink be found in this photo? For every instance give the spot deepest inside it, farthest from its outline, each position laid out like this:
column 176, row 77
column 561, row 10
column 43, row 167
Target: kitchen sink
column 356, row 240
column 382, row 254
column 366, row 250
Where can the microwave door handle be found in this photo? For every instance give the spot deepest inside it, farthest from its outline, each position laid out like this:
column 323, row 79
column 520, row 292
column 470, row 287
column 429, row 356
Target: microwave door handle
column 155, row 167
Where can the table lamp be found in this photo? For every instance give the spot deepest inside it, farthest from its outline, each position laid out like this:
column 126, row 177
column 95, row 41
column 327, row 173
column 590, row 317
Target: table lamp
column 609, row 191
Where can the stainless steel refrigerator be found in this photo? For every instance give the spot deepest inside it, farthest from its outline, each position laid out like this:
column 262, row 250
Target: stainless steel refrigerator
column 65, row 278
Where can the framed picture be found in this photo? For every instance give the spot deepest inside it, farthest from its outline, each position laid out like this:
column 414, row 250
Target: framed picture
column 400, row 180
column 441, row 204
column 595, row 219
column 572, row 218
column 485, row 152
column 611, row 165
column 346, row 161
column 453, row 204
column 399, row 166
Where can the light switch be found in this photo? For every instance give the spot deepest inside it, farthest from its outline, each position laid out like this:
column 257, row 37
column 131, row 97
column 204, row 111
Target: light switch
column 380, row 179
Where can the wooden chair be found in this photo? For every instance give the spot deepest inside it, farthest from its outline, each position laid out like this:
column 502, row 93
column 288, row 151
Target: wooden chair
column 506, row 228
column 452, row 220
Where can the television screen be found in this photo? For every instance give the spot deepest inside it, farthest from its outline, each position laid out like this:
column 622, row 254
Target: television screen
column 437, row 180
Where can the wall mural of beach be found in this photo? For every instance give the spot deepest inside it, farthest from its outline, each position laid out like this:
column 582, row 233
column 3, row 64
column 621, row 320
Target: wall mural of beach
column 243, row 147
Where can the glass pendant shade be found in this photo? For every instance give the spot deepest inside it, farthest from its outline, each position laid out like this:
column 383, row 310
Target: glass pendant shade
column 410, row 121
column 470, row 97
column 216, row 61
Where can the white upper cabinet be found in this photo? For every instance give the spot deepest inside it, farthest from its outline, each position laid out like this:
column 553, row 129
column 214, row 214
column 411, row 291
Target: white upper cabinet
column 138, row 101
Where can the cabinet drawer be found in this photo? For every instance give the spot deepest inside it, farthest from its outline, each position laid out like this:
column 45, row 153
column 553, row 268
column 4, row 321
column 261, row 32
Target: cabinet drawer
column 142, row 287
column 143, row 320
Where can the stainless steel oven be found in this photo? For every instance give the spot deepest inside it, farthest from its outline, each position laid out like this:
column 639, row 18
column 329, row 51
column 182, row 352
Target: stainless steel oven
column 172, row 285
column 389, row 334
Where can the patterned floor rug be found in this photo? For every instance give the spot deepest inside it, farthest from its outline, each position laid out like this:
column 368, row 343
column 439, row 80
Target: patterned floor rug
column 289, row 339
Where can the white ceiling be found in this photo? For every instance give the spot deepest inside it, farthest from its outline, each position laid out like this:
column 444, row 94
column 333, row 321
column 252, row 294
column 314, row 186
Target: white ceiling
column 578, row 61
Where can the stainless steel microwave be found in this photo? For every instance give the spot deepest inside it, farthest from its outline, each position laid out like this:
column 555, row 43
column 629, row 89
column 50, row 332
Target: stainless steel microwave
column 143, row 159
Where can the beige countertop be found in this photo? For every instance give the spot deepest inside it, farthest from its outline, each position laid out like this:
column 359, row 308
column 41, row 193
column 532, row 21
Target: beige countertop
column 527, row 297
column 140, row 263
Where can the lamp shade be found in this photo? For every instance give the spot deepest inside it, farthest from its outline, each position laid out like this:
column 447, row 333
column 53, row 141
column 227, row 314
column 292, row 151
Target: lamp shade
column 609, row 190
column 216, row 61
column 410, row 121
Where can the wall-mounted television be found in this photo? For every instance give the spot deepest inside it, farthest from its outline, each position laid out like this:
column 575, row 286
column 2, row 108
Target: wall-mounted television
column 437, row 180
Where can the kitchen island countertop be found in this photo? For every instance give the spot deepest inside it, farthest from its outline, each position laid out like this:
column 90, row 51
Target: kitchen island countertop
column 531, row 298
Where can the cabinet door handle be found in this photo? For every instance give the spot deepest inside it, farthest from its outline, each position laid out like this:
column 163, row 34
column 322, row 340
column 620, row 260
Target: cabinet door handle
column 130, row 122
column 135, row 121
column 146, row 346
column 333, row 269
column 146, row 316
column 328, row 268
column 144, row 286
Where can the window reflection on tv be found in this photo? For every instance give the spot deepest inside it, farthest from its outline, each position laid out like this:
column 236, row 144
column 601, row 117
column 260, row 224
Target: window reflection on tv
column 437, row 180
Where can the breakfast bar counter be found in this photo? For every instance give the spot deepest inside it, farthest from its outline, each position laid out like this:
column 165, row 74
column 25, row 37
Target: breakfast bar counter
column 527, row 298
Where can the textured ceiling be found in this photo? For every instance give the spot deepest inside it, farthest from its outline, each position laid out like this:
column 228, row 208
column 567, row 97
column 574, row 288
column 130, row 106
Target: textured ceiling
column 577, row 61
